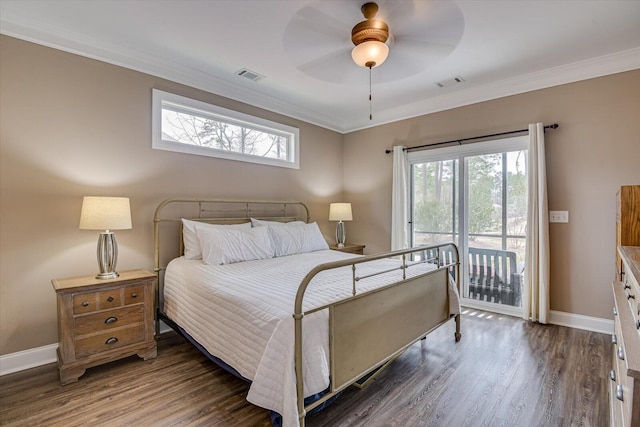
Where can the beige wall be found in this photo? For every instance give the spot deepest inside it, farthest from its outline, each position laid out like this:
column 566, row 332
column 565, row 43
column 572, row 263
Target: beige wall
column 70, row 127
column 595, row 150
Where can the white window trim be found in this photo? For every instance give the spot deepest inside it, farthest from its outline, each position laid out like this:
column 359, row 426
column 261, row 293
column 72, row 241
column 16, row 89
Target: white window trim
column 159, row 97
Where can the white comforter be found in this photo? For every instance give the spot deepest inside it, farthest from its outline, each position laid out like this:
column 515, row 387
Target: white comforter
column 242, row 314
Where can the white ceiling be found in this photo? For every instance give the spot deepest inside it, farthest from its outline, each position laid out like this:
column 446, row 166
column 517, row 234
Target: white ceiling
column 302, row 48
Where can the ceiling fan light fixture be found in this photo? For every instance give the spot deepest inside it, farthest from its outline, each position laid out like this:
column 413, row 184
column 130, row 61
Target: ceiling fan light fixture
column 370, row 54
column 369, row 37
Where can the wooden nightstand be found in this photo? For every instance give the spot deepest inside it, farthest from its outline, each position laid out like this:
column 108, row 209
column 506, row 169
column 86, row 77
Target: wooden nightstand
column 103, row 320
column 349, row 248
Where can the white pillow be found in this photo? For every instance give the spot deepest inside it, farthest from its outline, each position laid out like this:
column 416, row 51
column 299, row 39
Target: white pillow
column 227, row 246
column 297, row 239
column 192, row 248
column 262, row 222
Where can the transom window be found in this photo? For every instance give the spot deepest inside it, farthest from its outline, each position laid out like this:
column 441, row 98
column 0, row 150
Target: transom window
column 189, row 126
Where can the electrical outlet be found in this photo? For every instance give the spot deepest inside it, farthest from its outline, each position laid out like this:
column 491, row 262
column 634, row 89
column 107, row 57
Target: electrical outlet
column 558, row 216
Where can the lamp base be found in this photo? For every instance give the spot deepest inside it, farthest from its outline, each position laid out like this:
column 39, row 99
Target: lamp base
column 107, row 255
column 341, row 234
column 110, row 275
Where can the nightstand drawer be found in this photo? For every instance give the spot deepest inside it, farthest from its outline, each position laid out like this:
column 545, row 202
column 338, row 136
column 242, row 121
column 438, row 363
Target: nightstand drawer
column 93, row 301
column 106, row 320
column 109, row 341
column 133, row 295
column 85, row 303
column 109, row 299
column 88, row 302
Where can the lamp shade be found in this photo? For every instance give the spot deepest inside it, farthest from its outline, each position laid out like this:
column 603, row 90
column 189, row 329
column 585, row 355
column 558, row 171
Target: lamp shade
column 370, row 52
column 340, row 212
column 105, row 213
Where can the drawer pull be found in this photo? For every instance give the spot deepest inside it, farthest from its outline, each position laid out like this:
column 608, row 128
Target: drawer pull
column 612, row 375
column 110, row 299
column 134, row 295
column 615, row 311
column 111, row 340
column 620, row 353
column 111, row 320
column 637, row 323
column 85, row 303
column 614, row 339
column 627, row 286
column 619, row 393
column 629, row 296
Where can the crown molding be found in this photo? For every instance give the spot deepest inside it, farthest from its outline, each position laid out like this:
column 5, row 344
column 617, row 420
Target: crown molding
column 169, row 70
column 583, row 70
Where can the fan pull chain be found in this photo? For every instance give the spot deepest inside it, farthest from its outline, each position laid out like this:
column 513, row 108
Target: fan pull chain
column 370, row 108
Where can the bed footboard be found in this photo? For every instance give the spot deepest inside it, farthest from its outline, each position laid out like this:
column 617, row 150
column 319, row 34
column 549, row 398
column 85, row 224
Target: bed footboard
column 367, row 330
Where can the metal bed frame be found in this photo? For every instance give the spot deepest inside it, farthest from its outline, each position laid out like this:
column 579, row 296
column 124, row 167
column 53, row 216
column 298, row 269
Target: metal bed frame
column 367, row 330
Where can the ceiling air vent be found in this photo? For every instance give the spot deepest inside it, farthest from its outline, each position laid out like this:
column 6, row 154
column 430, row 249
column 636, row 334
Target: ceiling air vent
column 251, row 75
column 450, row 82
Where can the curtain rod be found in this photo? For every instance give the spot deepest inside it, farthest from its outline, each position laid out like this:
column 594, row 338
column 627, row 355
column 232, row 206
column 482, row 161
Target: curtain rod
column 460, row 141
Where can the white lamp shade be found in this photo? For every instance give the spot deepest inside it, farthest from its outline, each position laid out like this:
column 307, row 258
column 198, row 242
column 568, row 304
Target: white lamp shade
column 105, row 213
column 340, row 212
column 370, row 51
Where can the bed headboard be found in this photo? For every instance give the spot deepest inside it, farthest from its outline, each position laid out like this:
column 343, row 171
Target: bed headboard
column 167, row 222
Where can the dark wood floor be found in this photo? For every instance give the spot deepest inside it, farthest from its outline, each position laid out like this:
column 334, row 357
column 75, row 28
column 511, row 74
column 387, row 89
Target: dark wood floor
column 504, row 372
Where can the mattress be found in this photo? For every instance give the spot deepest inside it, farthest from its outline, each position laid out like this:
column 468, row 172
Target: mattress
column 242, row 314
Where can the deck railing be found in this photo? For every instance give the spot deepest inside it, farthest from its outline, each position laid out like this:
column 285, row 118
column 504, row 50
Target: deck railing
column 494, row 276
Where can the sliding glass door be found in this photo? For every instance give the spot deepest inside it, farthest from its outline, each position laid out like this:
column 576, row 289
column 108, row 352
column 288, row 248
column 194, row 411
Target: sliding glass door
column 434, row 197
column 476, row 196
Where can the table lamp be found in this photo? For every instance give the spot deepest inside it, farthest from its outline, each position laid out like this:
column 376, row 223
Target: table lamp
column 106, row 213
column 340, row 212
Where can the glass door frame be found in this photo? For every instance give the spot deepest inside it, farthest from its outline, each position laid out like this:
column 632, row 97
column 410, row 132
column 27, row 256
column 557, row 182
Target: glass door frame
column 461, row 154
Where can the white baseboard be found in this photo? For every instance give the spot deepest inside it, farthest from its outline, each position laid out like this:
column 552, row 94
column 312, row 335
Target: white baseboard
column 560, row 318
column 21, row 360
column 578, row 321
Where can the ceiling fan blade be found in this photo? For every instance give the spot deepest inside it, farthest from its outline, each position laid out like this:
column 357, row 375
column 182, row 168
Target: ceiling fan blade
column 409, row 57
column 422, row 49
column 336, row 67
column 433, row 21
column 311, row 27
column 396, row 12
column 317, row 20
column 312, row 33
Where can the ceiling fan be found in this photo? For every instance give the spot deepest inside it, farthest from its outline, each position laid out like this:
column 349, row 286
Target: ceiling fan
column 369, row 37
column 416, row 34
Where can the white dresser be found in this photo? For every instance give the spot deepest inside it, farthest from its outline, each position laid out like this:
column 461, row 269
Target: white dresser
column 624, row 390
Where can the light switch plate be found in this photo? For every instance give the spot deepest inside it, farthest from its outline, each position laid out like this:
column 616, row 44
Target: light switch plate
column 558, row 216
